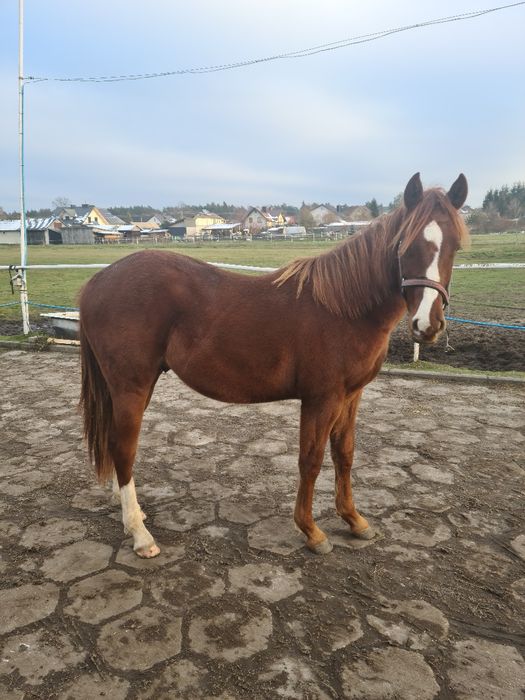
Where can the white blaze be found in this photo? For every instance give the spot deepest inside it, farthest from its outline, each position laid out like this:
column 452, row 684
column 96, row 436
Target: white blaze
column 433, row 234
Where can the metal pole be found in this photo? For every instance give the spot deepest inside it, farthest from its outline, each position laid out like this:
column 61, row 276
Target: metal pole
column 23, row 232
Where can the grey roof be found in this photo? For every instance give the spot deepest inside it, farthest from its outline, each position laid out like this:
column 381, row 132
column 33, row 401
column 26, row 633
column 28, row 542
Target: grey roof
column 111, row 218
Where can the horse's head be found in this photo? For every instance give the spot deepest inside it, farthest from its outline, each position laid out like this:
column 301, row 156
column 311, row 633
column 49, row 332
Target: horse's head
column 431, row 233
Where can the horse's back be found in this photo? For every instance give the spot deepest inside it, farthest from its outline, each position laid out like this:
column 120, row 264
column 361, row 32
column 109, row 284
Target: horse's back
column 217, row 330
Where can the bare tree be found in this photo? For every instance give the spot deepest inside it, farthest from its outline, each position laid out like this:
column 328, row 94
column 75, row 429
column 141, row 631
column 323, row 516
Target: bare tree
column 59, row 202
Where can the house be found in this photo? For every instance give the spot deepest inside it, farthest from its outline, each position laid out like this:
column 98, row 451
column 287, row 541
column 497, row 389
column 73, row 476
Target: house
column 324, row 214
column 87, row 214
column 102, row 216
column 357, row 213
column 258, row 219
column 192, row 226
column 149, row 225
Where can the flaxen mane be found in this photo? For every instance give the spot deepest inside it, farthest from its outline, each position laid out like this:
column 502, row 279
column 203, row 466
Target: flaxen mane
column 361, row 273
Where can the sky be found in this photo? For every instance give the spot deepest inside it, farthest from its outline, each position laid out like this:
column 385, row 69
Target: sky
column 341, row 126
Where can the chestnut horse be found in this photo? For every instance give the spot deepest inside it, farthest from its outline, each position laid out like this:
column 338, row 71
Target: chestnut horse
column 316, row 330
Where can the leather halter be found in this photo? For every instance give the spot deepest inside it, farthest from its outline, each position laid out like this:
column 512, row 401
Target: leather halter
column 425, row 282
column 421, row 282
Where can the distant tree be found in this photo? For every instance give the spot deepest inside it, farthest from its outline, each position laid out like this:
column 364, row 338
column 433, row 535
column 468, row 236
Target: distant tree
column 38, row 213
column 305, row 217
column 396, row 202
column 60, row 202
column 507, row 201
column 373, row 207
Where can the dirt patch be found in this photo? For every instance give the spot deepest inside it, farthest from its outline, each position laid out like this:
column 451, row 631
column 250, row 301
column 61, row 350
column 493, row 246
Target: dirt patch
column 468, row 346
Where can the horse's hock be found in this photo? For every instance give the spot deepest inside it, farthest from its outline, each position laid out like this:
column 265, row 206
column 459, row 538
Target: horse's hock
column 235, row 606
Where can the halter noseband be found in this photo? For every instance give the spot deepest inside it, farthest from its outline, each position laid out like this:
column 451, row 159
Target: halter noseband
column 425, row 282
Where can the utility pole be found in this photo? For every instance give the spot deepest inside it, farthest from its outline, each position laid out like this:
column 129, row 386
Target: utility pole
column 22, row 281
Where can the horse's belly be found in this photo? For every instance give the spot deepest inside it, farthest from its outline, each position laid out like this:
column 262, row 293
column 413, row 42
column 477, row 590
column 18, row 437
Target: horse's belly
column 234, row 380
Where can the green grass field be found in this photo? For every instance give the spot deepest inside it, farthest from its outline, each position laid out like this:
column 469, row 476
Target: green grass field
column 476, row 294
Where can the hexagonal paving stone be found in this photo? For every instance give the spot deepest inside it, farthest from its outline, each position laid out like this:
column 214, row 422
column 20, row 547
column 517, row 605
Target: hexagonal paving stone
column 483, row 669
column 292, row 678
column 77, row 560
column 323, row 625
column 26, row 604
column 373, row 501
column 9, row 530
column 518, row 590
column 184, row 676
column 423, row 529
column 36, row 655
column 90, row 686
column 52, row 533
column 269, row 582
column 245, row 511
column 211, row 489
column 267, row 447
column 230, row 631
column 6, row 694
column 384, row 476
column 21, row 483
column 168, row 554
column 102, row 596
column 185, row 583
column 141, row 639
column 275, row 535
column 476, row 522
column 184, row 519
column 428, row 473
column 413, row 624
column 518, row 545
column 384, row 674
column 95, row 499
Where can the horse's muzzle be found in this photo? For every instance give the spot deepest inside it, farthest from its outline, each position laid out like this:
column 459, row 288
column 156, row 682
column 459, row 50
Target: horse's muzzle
column 428, row 336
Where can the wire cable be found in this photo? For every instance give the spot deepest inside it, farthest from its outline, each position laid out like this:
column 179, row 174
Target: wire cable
column 301, row 53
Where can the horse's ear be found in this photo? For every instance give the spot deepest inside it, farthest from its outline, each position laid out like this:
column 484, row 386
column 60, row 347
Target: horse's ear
column 413, row 192
column 458, row 192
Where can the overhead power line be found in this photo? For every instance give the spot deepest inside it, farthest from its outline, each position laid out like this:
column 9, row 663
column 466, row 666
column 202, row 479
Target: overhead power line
column 302, row 53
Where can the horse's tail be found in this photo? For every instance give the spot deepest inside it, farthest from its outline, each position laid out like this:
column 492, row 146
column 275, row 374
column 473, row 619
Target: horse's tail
column 97, row 409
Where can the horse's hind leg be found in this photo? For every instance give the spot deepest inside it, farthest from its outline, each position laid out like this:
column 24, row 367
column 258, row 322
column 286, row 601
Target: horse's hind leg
column 342, row 449
column 115, row 494
column 128, row 410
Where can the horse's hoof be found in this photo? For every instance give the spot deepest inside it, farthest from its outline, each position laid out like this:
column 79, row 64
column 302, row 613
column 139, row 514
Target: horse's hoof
column 148, row 552
column 367, row 534
column 324, row 547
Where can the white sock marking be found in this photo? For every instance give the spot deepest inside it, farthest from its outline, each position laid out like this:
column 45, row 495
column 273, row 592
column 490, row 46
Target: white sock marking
column 132, row 517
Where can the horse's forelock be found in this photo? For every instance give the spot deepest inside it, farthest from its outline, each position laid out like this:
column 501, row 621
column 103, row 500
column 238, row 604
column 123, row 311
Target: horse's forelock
column 434, row 200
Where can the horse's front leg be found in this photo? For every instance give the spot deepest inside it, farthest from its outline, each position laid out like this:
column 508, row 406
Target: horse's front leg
column 342, row 449
column 317, row 419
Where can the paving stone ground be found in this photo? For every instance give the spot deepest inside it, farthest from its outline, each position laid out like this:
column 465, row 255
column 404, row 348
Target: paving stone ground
column 235, row 607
